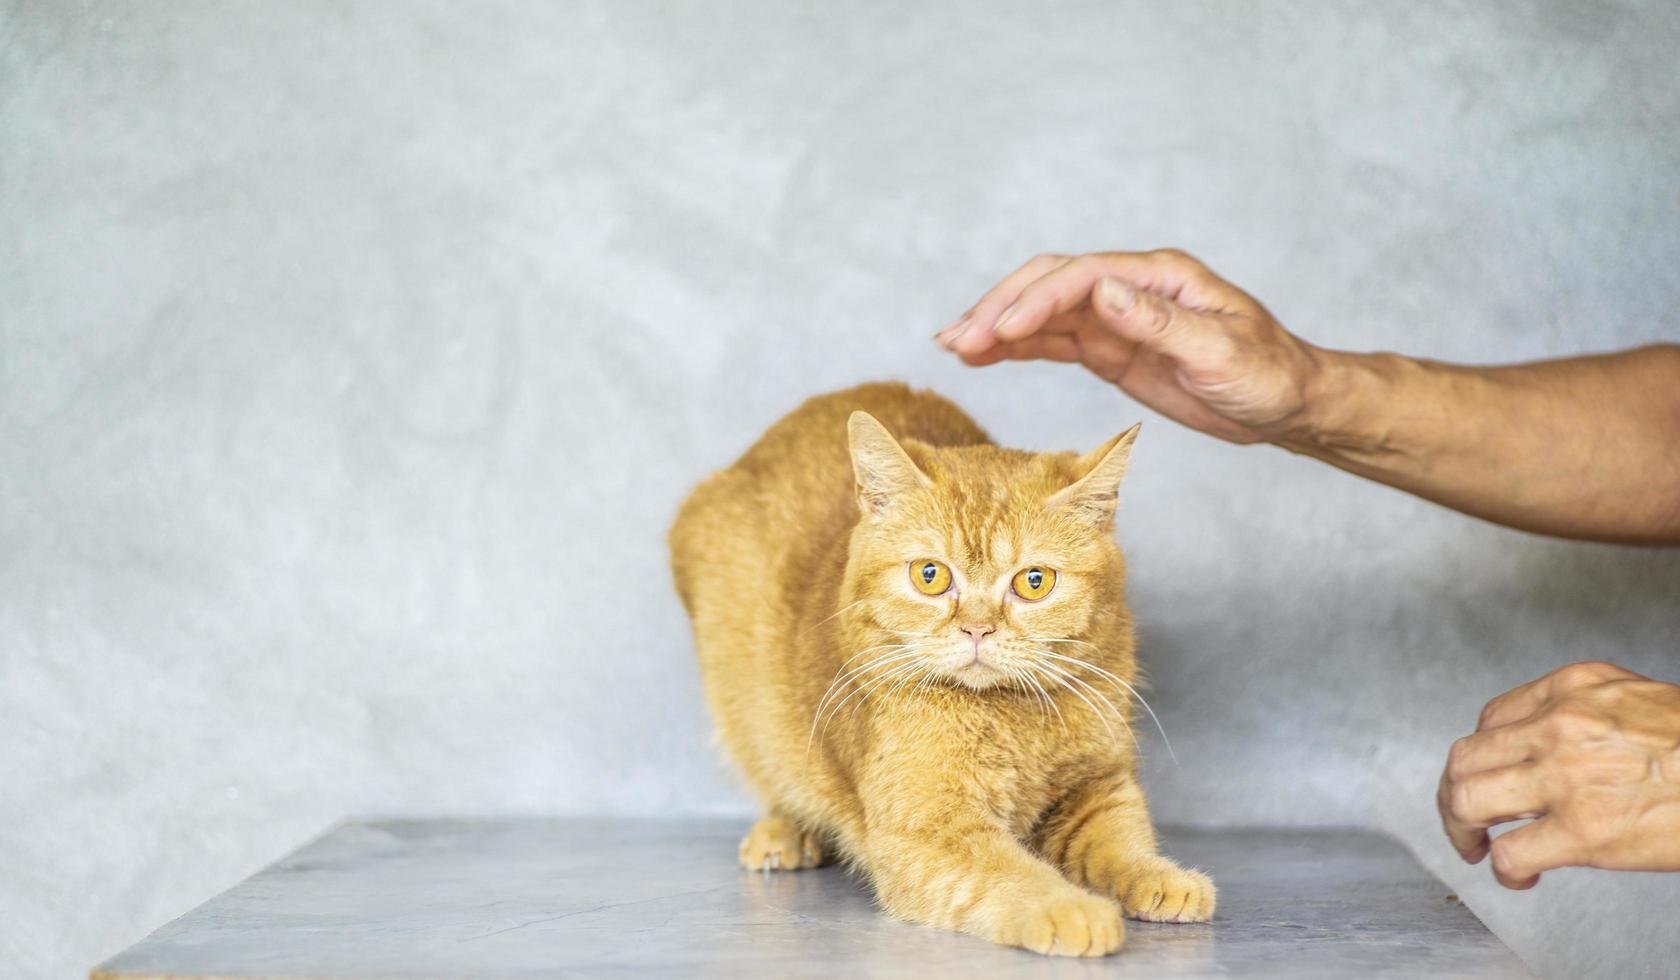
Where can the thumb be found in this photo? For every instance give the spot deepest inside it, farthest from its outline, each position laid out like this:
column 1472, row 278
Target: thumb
column 1195, row 340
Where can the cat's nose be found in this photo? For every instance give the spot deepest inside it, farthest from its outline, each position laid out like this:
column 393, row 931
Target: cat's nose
column 978, row 630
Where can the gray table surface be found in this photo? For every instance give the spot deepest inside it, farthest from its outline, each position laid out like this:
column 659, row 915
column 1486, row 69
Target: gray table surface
column 574, row 898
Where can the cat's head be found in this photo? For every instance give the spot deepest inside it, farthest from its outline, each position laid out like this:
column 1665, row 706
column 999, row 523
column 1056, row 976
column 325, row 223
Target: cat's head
column 979, row 566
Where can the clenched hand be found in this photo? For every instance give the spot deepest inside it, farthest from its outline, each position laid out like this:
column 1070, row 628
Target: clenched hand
column 1590, row 753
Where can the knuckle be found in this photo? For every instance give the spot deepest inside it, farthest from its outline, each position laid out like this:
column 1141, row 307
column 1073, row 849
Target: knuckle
column 1502, row 854
column 1587, row 672
column 1584, row 671
column 1458, row 758
column 1461, row 800
column 1086, row 266
column 1156, row 316
column 1574, row 720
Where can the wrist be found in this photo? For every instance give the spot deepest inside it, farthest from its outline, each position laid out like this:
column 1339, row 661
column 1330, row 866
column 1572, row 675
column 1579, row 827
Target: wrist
column 1348, row 403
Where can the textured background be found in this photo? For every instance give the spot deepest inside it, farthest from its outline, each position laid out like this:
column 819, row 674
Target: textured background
column 353, row 361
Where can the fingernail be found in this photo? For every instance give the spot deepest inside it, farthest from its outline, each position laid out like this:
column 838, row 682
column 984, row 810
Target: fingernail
column 955, row 330
column 1116, row 295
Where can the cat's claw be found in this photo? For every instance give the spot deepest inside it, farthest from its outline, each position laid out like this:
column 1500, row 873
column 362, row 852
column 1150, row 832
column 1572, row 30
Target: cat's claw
column 1161, row 891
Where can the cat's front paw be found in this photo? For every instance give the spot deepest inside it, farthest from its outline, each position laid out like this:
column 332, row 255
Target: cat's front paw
column 777, row 844
column 1071, row 923
column 1157, row 890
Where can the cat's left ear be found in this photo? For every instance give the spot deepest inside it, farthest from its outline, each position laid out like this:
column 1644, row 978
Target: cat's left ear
column 1094, row 494
column 884, row 471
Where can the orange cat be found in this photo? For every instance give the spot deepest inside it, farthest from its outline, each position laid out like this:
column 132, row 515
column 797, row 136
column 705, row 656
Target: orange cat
column 918, row 651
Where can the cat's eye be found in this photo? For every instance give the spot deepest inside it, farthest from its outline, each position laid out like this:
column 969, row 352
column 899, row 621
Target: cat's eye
column 1034, row 582
column 930, row 577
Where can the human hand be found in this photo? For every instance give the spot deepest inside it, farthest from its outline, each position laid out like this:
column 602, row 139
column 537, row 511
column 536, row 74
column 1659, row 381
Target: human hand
column 1162, row 327
column 1592, row 752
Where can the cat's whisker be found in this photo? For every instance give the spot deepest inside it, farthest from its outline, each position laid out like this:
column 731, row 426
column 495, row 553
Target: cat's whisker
column 913, row 646
column 1070, row 677
column 834, row 615
column 912, row 676
column 1122, row 682
column 925, row 668
column 929, row 679
column 884, row 646
column 1072, row 685
column 885, row 650
column 873, row 683
column 1047, row 704
column 1025, row 684
column 845, row 675
column 1014, row 675
column 1078, row 688
column 1050, row 700
column 1073, row 679
column 1045, row 695
column 896, row 661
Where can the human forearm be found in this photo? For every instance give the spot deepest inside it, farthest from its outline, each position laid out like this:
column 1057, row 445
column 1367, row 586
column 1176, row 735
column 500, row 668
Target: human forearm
column 1586, row 447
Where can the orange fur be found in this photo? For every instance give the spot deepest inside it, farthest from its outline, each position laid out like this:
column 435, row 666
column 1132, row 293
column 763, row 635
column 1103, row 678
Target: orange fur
column 982, row 785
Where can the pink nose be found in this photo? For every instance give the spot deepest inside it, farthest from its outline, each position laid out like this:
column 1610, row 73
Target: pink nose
column 978, row 630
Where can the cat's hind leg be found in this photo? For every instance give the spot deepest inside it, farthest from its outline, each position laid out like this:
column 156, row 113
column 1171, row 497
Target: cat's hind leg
column 1101, row 838
column 777, row 843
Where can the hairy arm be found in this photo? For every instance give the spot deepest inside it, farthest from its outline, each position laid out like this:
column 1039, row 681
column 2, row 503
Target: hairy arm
column 1586, row 447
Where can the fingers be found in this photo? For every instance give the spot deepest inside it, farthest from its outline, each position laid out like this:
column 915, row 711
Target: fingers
column 1494, row 749
column 1191, row 338
column 1519, row 856
column 1135, row 313
column 1489, row 778
column 1514, row 705
column 1040, row 292
column 972, row 332
column 1061, row 290
column 1476, row 802
column 1049, row 347
column 1174, row 275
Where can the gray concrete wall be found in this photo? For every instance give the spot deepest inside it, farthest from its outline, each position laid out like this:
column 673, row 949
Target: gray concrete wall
column 343, row 346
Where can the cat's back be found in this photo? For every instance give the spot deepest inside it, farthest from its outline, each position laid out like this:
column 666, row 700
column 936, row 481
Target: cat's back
column 791, row 493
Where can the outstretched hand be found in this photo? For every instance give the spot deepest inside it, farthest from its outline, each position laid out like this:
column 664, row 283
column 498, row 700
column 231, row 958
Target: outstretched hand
column 1162, row 327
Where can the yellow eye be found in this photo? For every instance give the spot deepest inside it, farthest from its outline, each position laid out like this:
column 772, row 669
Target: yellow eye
column 930, row 577
column 1034, row 583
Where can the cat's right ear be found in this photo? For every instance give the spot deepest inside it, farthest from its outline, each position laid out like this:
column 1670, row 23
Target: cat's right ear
column 884, row 472
column 1093, row 496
